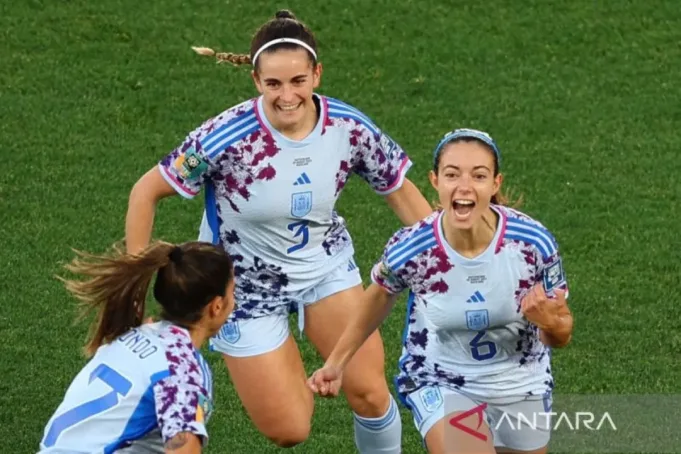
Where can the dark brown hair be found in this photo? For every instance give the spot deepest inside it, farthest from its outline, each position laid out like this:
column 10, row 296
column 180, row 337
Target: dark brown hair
column 188, row 277
column 283, row 25
column 500, row 198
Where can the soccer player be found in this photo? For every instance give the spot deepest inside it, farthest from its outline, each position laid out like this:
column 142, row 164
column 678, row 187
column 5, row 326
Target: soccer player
column 487, row 302
column 272, row 169
column 146, row 388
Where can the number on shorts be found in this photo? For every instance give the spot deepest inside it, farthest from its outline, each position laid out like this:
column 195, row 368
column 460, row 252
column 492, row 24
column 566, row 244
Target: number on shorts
column 120, row 386
column 477, row 346
column 299, row 228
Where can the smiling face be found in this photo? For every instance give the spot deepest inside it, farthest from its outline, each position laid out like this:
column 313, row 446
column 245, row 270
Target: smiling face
column 465, row 182
column 287, row 79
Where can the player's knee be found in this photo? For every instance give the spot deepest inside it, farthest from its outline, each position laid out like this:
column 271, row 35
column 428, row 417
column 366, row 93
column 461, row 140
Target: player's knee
column 291, row 435
column 371, row 400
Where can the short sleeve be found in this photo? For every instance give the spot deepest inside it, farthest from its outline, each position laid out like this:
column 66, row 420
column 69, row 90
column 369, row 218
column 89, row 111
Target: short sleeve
column 181, row 406
column 383, row 273
column 382, row 163
column 188, row 166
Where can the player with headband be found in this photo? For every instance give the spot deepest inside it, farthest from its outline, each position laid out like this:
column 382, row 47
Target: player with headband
column 272, row 169
column 487, row 302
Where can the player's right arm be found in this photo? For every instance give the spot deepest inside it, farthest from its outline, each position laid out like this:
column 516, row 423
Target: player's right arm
column 144, row 197
column 181, row 172
column 377, row 302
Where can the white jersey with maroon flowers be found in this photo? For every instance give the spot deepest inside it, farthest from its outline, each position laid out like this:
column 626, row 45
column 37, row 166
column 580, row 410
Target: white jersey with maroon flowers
column 151, row 380
column 464, row 328
column 270, row 200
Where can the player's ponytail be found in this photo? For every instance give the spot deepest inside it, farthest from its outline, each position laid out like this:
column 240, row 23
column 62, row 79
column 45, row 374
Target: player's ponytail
column 189, row 277
column 267, row 38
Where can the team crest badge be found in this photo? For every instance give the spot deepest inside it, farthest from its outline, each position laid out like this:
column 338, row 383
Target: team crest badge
column 477, row 320
column 431, row 398
column 554, row 275
column 301, row 204
column 230, row 332
column 190, row 165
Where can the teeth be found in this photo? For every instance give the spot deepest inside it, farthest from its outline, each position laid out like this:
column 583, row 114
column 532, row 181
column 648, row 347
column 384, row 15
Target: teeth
column 464, row 202
column 288, row 107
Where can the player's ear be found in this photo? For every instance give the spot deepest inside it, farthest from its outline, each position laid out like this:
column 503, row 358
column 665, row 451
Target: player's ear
column 432, row 176
column 256, row 80
column 498, row 180
column 316, row 75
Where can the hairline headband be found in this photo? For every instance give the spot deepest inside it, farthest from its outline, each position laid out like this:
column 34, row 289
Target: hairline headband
column 282, row 41
column 467, row 134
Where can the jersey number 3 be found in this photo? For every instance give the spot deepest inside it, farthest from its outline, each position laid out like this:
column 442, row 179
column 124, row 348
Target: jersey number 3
column 482, row 350
column 120, row 386
column 299, row 229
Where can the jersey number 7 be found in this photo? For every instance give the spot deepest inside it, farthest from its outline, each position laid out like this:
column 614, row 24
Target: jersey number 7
column 120, row 386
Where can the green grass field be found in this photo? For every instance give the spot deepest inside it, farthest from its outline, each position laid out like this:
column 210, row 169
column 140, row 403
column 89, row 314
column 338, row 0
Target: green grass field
column 583, row 97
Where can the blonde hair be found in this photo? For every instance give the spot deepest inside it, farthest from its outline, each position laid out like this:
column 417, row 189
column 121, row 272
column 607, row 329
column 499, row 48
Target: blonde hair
column 224, row 57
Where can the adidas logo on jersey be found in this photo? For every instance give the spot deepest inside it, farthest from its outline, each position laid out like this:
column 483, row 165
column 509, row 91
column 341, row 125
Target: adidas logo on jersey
column 476, row 298
column 302, row 179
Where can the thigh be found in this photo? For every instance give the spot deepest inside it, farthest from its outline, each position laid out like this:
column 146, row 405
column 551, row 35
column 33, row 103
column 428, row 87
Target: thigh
column 364, row 382
column 450, row 422
column 271, row 383
column 521, row 427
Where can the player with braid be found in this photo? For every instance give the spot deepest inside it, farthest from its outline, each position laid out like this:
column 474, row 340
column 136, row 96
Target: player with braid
column 272, row 169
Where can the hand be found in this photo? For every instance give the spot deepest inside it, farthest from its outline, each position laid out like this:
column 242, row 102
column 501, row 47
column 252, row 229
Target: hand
column 326, row 381
column 541, row 310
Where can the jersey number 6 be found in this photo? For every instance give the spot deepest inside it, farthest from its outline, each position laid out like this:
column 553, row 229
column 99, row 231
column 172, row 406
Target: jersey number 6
column 119, row 386
column 478, row 348
column 299, row 228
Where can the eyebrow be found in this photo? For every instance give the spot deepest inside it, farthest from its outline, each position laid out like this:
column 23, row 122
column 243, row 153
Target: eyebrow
column 273, row 79
column 474, row 168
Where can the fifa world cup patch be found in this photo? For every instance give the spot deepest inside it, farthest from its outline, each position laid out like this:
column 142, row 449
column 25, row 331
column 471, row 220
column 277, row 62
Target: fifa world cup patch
column 190, row 165
column 203, row 408
column 385, row 273
column 554, row 275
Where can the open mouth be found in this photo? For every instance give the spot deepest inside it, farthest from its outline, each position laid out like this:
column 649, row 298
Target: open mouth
column 463, row 208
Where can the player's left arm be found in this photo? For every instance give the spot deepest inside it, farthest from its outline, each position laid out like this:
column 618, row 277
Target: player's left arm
column 408, row 203
column 384, row 165
column 180, row 414
column 546, row 303
column 183, row 443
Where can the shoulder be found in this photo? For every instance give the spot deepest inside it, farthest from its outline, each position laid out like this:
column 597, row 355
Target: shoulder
column 343, row 114
column 180, row 353
column 228, row 127
column 521, row 227
column 410, row 241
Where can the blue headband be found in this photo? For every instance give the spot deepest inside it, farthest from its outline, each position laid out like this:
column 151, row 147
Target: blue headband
column 467, row 134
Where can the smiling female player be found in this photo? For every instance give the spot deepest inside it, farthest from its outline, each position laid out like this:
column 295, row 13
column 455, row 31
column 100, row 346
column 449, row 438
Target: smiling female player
column 272, row 169
column 486, row 304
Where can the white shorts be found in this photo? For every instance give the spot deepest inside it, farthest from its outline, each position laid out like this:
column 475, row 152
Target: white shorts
column 251, row 337
column 522, row 425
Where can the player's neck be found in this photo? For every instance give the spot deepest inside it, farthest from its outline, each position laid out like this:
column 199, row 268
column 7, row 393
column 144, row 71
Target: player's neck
column 472, row 242
column 300, row 130
column 199, row 335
